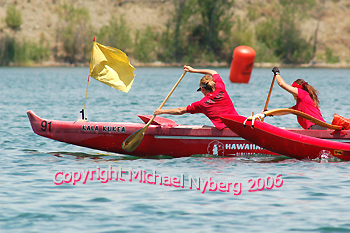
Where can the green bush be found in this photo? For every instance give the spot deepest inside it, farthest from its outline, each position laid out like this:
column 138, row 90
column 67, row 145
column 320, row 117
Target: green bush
column 265, row 54
column 116, row 34
column 206, row 39
column 330, row 58
column 267, row 32
column 7, row 50
column 13, row 17
column 193, row 54
column 242, row 34
column 291, row 46
column 145, row 45
column 284, row 39
column 22, row 53
column 253, row 12
column 173, row 42
column 166, row 49
column 75, row 32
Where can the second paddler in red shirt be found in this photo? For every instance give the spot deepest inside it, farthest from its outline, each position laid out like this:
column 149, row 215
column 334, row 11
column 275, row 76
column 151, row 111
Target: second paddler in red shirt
column 306, row 97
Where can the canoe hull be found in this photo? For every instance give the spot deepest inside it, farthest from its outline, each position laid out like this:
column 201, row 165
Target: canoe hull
column 163, row 138
column 292, row 144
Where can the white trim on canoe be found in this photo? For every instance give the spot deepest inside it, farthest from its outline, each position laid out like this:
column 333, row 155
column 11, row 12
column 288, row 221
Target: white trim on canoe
column 339, row 140
column 197, row 137
column 226, row 138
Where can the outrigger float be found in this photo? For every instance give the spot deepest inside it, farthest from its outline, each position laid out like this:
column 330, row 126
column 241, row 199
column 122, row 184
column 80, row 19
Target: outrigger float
column 163, row 137
column 299, row 144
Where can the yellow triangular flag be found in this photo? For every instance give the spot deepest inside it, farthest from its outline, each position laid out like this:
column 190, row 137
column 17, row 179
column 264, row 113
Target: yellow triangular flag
column 112, row 67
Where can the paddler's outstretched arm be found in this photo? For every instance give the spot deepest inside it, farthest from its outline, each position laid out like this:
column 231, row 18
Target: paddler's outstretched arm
column 183, row 110
column 174, row 111
column 283, row 84
column 201, row 71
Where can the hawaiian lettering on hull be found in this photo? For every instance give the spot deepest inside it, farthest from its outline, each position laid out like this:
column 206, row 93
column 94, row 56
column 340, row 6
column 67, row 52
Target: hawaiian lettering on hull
column 218, row 148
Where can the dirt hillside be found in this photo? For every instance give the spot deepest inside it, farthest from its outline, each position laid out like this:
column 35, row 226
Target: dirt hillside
column 40, row 16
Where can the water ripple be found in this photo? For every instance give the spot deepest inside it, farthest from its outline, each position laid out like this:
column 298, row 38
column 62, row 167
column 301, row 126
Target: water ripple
column 314, row 196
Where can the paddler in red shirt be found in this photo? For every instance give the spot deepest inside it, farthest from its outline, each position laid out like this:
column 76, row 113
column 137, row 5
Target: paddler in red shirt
column 216, row 100
column 307, row 100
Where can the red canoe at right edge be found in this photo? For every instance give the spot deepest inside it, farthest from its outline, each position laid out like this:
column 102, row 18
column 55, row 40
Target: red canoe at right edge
column 322, row 143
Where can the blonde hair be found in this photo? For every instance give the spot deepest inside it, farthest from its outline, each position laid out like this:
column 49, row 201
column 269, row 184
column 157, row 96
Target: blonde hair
column 207, row 83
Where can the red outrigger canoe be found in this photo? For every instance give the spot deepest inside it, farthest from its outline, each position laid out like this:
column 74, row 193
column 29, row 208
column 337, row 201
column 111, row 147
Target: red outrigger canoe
column 299, row 144
column 163, row 137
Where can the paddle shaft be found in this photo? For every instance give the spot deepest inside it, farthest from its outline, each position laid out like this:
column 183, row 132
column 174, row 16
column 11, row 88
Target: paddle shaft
column 134, row 140
column 172, row 90
column 168, row 96
column 269, row 95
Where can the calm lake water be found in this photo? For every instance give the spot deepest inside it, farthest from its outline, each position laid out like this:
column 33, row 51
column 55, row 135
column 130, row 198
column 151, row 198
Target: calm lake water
column 299, row 196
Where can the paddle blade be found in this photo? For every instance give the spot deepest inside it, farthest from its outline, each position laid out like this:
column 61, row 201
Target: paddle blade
column 134, row 140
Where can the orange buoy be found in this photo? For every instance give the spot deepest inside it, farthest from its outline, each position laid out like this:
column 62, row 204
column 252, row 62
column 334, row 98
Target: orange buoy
column 242, row 64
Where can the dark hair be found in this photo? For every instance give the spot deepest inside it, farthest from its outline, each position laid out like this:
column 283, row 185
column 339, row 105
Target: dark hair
column 313, row 93
column 208, row 83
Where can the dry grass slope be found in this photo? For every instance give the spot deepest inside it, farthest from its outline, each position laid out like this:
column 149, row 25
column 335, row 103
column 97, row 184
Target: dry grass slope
column 40, row 17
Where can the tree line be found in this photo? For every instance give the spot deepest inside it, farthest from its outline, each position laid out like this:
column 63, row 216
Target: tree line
column 197, row 31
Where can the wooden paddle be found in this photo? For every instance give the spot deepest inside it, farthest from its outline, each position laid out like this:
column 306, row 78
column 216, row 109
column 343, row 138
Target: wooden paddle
column 269, row 95
column 304, row 115
column 135, row 139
